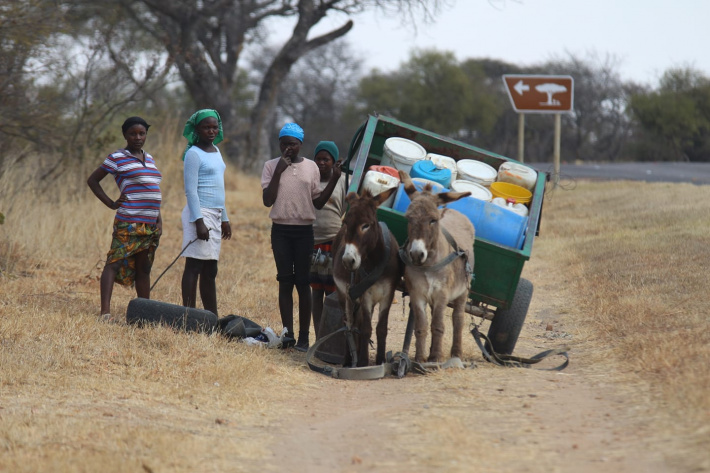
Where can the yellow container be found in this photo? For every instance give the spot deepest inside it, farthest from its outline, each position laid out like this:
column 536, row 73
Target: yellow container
column 507, row 190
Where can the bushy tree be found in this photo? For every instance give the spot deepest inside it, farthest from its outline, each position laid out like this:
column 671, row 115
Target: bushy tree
column 432, row 91
column 59, row 89
column 675, row 119
column 26, row 116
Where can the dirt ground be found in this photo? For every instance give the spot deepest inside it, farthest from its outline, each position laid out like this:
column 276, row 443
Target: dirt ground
column 589, row 417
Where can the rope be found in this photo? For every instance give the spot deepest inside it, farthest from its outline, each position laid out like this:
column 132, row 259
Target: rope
column 517, row 361
column 170, row 265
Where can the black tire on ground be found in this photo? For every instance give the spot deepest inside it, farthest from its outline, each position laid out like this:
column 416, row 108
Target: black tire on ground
column 507, row 323
column 146, row 311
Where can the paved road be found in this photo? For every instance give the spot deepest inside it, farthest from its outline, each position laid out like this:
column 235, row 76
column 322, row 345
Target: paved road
column 696, row 173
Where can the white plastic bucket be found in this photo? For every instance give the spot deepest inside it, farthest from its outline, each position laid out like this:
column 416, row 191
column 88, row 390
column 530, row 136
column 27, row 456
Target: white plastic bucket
column 377, row 182
column 514, row 173
column 476, row 171
column 444, row 162
column 477, row 190
column 402, row 153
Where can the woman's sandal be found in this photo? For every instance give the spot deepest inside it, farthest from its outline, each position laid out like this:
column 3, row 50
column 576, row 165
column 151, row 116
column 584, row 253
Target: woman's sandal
column 109, row 319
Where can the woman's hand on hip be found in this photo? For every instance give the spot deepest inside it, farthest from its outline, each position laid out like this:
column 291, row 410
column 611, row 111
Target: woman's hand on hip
column 118, row 202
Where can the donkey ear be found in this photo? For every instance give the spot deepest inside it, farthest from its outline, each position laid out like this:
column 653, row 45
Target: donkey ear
column 407, row 181
column 446, row 197
column 383, row 196
column 352, row 197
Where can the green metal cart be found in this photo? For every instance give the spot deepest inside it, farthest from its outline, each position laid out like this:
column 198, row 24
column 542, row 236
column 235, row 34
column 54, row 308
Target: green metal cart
column 498, row 293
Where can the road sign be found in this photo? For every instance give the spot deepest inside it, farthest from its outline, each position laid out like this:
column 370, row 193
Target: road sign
column 540, row 93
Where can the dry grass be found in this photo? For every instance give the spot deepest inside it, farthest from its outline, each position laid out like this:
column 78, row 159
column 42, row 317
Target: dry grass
column 636, row 254
column 79, row 395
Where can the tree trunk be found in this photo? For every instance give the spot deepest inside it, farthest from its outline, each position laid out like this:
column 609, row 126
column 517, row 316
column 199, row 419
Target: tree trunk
column 253, row 155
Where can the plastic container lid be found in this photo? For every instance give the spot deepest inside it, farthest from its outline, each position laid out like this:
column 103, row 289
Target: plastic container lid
column 476, row 171
column 404, row 152
column 477, row 190
column 426, row 169
column 385, row 170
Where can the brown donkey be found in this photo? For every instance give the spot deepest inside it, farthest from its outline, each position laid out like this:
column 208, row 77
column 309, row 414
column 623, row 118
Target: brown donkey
column 438, row 257
column 367, row 270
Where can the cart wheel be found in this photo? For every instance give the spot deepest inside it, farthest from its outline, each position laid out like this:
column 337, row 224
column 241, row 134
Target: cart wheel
column 148, row 311
column 507, row 323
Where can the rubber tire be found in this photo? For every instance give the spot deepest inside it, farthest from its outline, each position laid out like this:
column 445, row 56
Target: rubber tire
column 508, row 323
column 147, row 311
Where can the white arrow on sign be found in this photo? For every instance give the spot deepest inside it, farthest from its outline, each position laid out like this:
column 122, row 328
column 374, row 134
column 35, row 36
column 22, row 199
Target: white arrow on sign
column 520, row 87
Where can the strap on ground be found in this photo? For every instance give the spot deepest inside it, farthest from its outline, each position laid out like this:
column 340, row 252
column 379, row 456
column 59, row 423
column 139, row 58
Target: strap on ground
column 516, row 361
column 398, row 364
column 365, row 372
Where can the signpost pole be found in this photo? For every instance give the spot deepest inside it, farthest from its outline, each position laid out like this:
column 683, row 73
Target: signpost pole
column 521, row 137
column 556, row 152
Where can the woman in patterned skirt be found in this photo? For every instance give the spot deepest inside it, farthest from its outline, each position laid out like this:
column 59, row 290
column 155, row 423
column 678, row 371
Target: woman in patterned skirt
column 137, row 225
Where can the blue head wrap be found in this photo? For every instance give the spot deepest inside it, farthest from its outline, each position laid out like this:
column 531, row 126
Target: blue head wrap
column 292, row 129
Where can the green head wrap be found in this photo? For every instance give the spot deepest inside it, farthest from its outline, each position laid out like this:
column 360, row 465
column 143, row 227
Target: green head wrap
column 191, row 134
column 328, row 146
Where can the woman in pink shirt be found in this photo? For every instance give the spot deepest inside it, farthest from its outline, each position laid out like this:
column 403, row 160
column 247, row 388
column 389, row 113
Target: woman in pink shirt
column 290, row 188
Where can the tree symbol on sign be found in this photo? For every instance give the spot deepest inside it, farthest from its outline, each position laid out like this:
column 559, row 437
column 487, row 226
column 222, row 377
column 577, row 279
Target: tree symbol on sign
column 550, row 89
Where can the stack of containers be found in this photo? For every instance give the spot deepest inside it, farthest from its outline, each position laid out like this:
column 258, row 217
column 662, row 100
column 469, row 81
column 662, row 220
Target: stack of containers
column 493, row 223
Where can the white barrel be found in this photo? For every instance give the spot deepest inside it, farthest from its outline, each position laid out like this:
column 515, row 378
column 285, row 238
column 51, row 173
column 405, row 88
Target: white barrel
column 402, row 153
column 514, row 173
column 444, row 162
column 476, row 171
column 377, row 182
column 477, row 190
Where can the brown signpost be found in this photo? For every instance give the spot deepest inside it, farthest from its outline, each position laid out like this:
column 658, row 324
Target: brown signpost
column 540, row 94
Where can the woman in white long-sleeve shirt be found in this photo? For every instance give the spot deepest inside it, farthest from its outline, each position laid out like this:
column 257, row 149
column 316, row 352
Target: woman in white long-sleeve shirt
column 204, row 218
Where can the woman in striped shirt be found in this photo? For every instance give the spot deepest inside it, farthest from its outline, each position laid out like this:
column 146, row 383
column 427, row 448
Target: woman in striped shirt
column 137, row 225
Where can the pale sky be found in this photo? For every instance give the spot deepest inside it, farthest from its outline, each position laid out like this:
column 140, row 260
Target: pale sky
column 646, row 36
